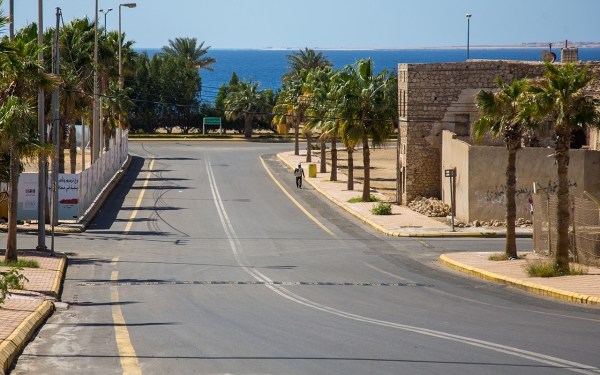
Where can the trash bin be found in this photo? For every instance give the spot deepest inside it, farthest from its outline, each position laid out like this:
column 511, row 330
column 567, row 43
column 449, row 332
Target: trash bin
column 312, row 170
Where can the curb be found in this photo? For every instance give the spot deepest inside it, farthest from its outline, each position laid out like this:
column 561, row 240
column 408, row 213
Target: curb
column 13, row 344
column 89, row 216
column 520, row 284
column 60, row 273
column 381, row 229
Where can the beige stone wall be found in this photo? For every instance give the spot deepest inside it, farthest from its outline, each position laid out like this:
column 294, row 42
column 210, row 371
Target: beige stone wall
column 481, row 181
column 437, row 97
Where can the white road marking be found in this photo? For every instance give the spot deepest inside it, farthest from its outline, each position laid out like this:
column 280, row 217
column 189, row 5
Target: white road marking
column 239, row 256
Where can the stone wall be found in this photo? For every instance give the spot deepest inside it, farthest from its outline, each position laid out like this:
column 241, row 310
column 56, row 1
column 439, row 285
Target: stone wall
column 439, row 96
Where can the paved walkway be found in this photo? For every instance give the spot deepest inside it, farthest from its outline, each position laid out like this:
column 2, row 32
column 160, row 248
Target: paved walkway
column 404, row 222
column 25, row 310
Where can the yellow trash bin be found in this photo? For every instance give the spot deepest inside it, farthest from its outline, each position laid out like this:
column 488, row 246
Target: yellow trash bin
column 312, row 170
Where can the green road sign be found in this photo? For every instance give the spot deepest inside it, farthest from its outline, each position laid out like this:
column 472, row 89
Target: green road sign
column 212, row 120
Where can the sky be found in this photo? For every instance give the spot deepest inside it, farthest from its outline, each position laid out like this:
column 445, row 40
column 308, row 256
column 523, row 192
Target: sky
column 333, row 23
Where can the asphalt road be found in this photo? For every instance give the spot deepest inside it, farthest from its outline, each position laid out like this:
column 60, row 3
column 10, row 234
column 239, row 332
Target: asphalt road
column 199, row 263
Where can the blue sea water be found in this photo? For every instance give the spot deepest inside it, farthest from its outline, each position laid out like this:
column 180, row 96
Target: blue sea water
column 267, row 66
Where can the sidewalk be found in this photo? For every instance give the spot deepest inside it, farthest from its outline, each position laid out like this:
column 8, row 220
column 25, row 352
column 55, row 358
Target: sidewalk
column 25, row 310
column 584, row 289
column 403, row 222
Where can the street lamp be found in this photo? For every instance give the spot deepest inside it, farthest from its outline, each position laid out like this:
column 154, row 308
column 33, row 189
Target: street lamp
column 128, row 5
column 105, row 13
column 468, row 26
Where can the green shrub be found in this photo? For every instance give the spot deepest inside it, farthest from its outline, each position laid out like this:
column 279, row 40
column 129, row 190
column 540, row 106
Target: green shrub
column 21, row 263
column 10, row 280
column 382, row 208
column 504, row 256
column 547, row 268
column 359, row 199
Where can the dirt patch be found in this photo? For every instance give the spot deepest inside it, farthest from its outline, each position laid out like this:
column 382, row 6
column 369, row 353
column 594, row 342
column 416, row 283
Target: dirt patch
column 383, row 168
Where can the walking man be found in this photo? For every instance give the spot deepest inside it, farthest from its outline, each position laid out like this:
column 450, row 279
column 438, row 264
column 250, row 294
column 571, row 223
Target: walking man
column 299, row 173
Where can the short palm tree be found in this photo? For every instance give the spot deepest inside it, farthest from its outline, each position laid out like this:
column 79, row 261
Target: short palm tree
column 291, row 105
column 500, row 119
column 246, row 102
column 366, row 104
column 304, row 60
column 187, row 48
column 560, row 96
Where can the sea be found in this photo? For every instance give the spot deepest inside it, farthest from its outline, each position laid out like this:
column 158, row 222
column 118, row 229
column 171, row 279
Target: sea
column 266, row 66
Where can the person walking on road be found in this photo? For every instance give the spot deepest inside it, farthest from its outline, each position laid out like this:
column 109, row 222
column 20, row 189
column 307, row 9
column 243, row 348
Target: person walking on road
column 299, row 173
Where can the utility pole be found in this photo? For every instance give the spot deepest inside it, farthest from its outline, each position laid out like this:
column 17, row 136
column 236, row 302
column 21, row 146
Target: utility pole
column 42, row 176
column 56, row 132
column 11, row 27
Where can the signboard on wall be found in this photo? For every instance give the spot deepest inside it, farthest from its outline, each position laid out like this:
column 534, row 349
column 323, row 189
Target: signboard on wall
column 68, row 195
column 27, row 203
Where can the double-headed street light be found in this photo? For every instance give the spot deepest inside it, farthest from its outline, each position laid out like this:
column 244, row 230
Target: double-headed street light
column 105, row 12
column 468, row 26
column 128, row 5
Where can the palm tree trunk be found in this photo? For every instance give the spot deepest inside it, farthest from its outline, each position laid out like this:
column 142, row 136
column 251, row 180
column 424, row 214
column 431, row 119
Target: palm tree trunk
column 350, row 169
column 296, row 137
column 366, row 196
column 73, row 148
column 333, row 176
column 323, row 154
column 11, row 239
column 511, row 206
column 562, row 209
column 308, row 147
column 248, row 126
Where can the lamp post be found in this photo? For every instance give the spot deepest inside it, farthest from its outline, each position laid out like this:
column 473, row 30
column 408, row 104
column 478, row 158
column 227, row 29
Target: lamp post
column 95, row 126
column 128, row 5
column 42, row 131
column 468, row 27
column 105, row 13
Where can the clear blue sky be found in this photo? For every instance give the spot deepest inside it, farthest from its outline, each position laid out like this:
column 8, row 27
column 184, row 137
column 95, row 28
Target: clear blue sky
column 335, row 23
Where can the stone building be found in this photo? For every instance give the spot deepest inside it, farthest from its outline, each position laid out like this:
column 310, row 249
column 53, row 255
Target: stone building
column 440, row 96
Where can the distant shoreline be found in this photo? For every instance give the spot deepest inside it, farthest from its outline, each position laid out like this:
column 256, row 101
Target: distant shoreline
column 479, row 47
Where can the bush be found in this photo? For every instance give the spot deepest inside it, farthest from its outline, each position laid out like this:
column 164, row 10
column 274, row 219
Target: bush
column 547, row 268
column 382, row 208
column 10, row 280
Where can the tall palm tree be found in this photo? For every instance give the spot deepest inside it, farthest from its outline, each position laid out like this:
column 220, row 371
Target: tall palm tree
column 20, row 81
column 561, row 97
column 187, row 48
column 306, row 60
column 500, row 118
column 367, row 104
column 246, row 102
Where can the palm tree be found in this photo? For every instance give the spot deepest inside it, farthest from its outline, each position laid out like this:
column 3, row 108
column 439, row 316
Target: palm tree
column 116, row 106
column 318, row 82
column 19, row 82
column 500, row 118
column 306, row 60
column 291, row 105
column 186, row 47
column 246, row 102
column 561, row 97
column 367, row 107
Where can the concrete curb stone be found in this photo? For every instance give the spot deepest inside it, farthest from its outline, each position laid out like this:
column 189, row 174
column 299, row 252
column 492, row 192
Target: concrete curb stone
column 542, row 290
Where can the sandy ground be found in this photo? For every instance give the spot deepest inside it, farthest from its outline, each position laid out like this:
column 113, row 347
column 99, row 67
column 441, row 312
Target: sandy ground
column 383, row 168
column 32, row 166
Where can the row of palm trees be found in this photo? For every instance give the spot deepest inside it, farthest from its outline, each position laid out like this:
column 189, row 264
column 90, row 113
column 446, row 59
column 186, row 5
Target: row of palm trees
column 523, row 105
column 352, row 104
column 22, row 75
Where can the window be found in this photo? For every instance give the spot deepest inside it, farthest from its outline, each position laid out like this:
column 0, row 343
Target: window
column 462, row 124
